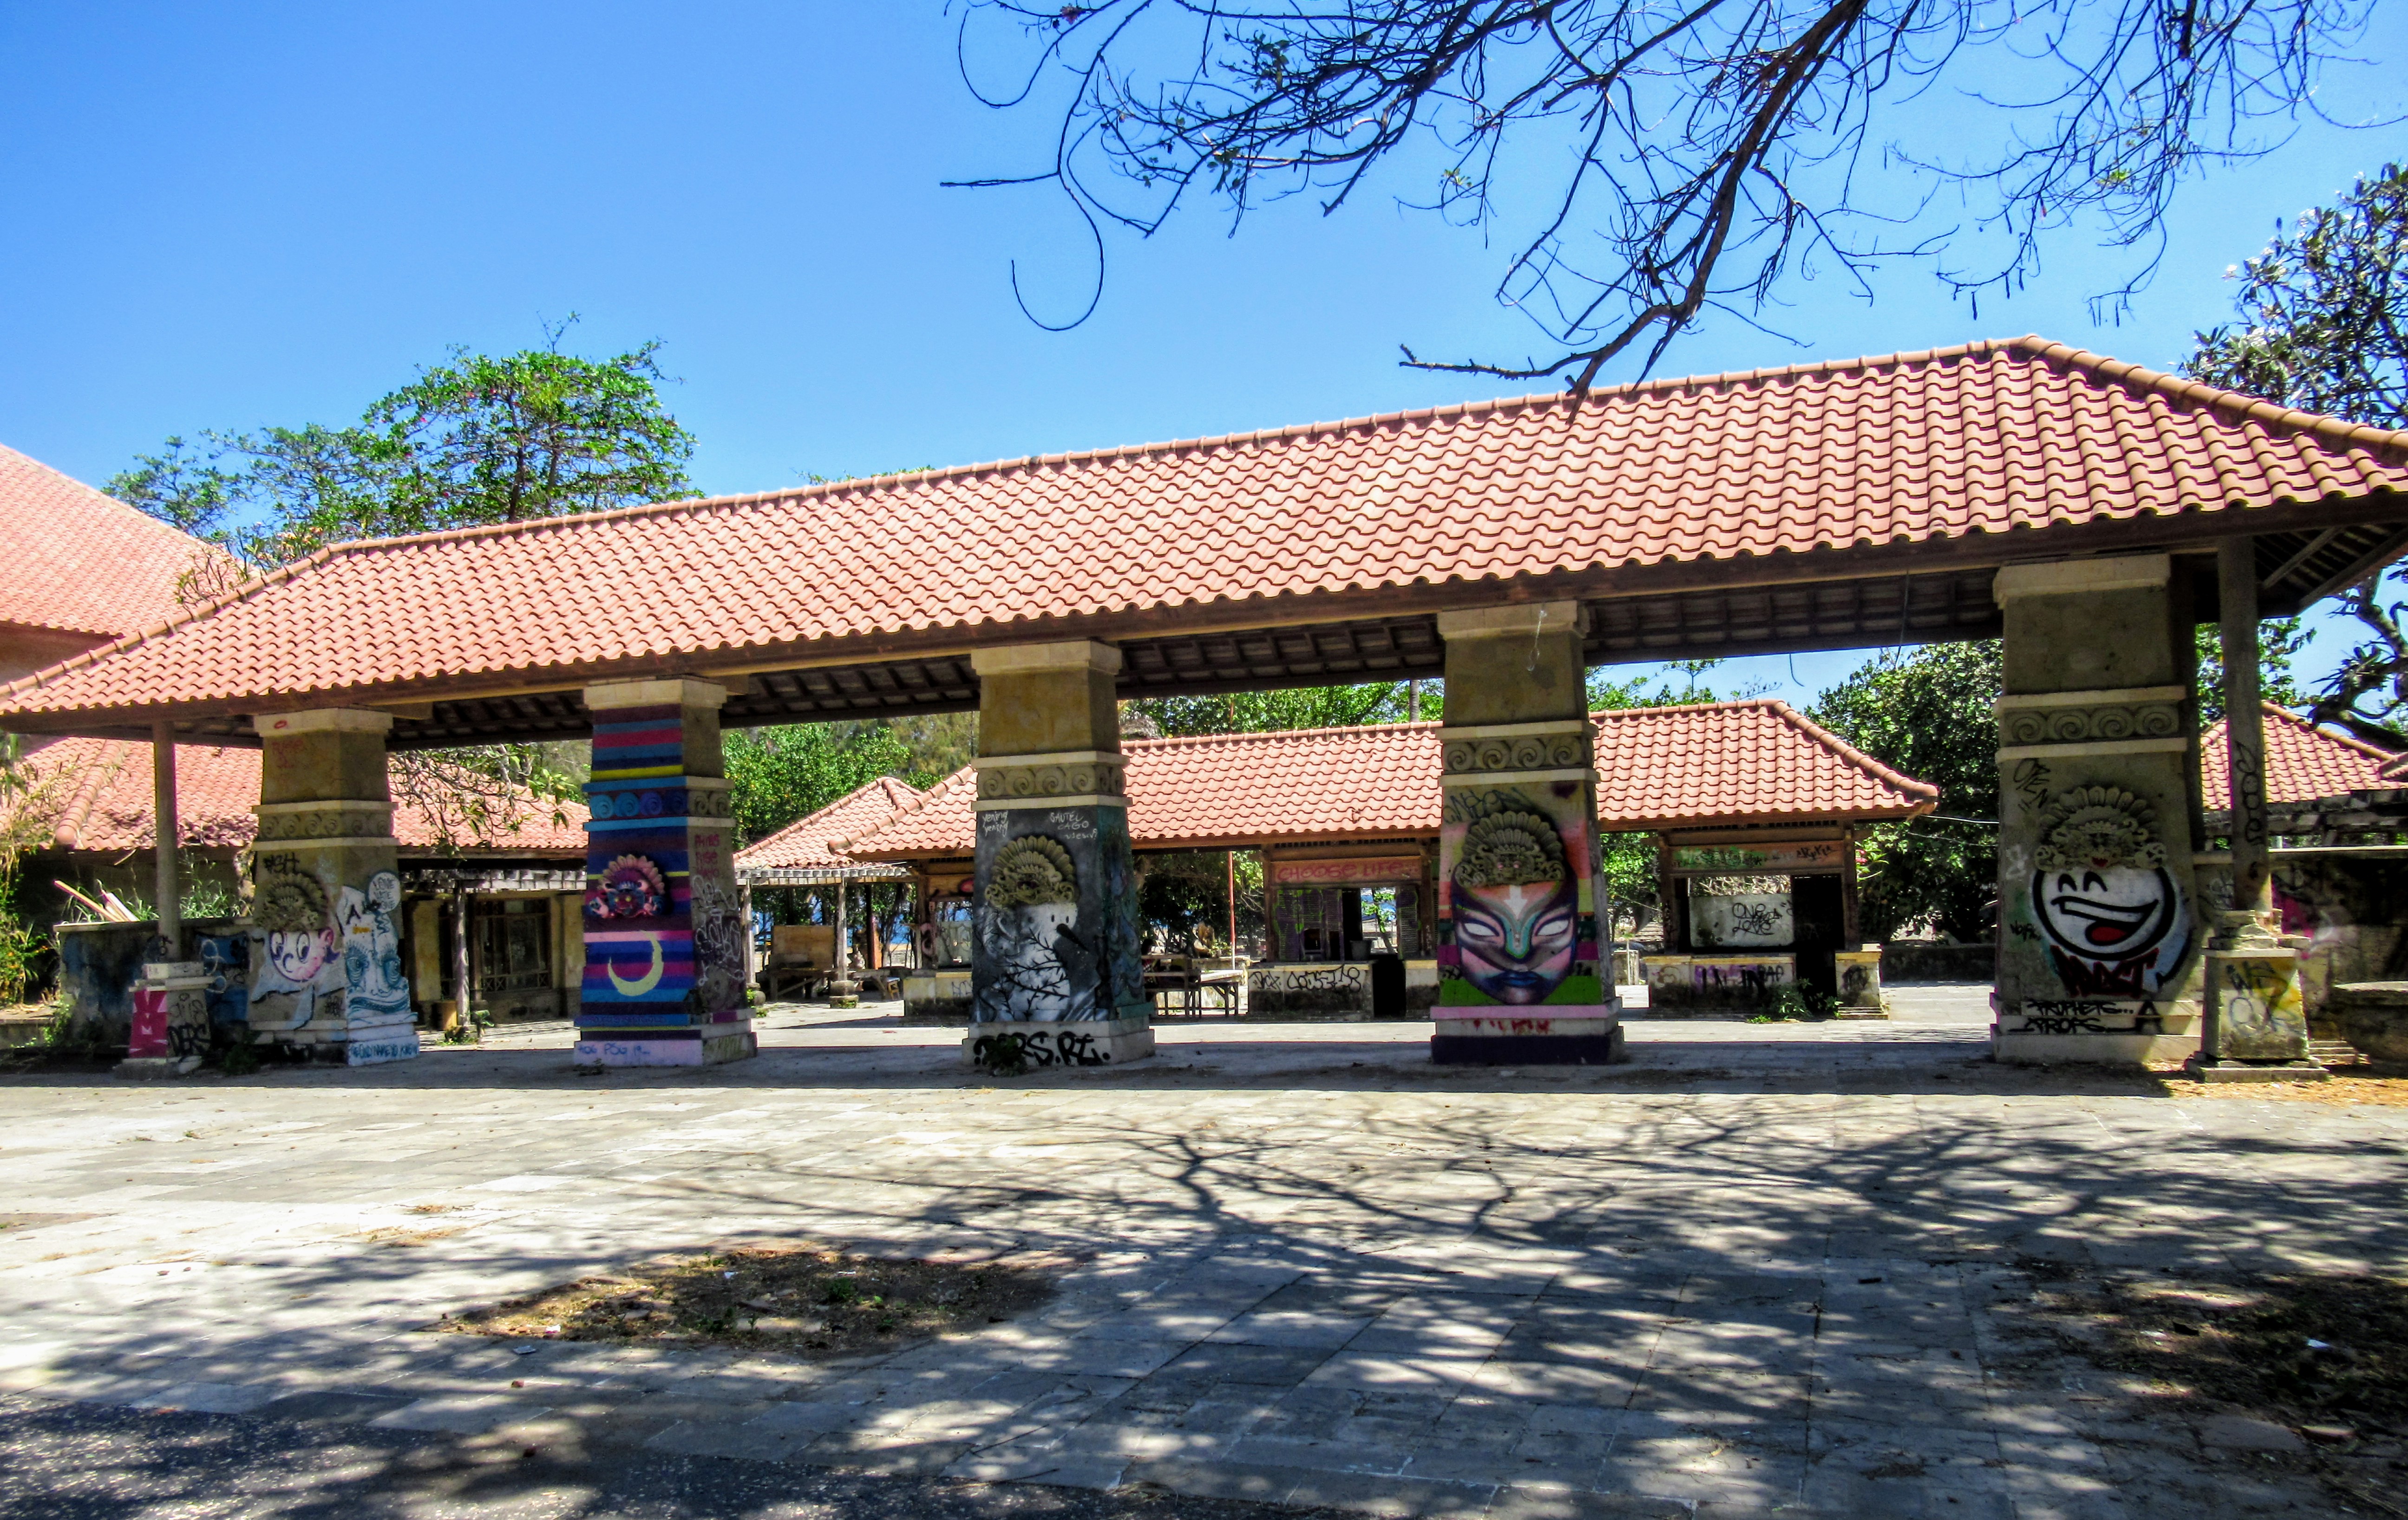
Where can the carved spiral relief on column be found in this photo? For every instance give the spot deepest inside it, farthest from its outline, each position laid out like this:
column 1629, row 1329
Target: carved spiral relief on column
column 1533, row 752
column 2077, row 725
column 325, row 823
column 1083, row 778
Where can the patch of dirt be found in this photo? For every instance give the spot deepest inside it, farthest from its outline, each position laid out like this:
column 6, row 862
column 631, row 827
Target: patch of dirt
column 803, row 1299
column 2303, row 1347
column 395, row 1235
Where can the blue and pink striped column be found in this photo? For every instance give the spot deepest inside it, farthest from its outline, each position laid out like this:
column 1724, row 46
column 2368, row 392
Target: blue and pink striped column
column 664, row 982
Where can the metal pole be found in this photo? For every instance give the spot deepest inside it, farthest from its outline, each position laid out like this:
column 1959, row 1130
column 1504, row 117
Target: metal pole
column 164, row 838
column 2245, row 726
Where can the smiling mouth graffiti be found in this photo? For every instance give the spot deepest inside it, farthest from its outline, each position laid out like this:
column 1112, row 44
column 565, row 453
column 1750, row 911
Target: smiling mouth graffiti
column 2107, row 927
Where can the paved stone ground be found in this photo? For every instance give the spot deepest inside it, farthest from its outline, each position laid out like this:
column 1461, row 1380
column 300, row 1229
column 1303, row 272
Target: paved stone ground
column 1761, row 1267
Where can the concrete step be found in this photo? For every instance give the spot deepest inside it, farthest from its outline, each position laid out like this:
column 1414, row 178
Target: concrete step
column 2335, row 1053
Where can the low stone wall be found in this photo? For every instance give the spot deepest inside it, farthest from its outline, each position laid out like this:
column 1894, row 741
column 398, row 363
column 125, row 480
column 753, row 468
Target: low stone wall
column 2373, row 1016
column 1708, row 986
column 1920, row 960
column 99, row 964
column 1337, row 991
column 937, row 997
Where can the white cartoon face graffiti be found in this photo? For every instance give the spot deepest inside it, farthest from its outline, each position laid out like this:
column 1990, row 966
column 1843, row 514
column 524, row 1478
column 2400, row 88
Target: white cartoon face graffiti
column 2111, row 916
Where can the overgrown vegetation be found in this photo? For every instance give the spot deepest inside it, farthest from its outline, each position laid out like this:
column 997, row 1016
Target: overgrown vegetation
column 804, row 1299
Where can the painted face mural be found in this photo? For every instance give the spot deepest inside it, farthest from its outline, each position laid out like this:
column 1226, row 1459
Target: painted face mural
column 1028, row 921
column 292, row 911
column 1516, row 907
column 630, row 886
column 2111, row 916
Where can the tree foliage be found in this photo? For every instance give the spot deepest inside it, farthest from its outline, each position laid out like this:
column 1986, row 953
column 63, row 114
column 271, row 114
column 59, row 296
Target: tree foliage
column 2279, row 641
column 792, row 771
column 477, row 440
column 1644, row 164
column 2325, row 328
column 1259, row 712
column 1927, row 711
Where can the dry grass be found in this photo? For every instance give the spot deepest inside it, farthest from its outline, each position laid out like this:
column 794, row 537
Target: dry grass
column 2386, row 1089
column 803, row 1299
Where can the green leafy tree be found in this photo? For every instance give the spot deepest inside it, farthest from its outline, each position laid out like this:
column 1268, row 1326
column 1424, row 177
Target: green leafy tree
column 1929, row 712
column 477, row 440
column 788, row 772
column 2278, row 640
column 2325, row 328
column 1259, row 712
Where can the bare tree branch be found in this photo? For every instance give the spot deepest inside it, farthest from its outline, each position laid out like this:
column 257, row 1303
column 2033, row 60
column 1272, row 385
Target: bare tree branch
column 1655, row 161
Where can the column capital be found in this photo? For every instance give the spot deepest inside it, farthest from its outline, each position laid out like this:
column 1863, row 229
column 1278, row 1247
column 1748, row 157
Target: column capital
column 1027, row 659
column 684, row 690
column 1522, row 618
column 2083, row 577
column 322, row 721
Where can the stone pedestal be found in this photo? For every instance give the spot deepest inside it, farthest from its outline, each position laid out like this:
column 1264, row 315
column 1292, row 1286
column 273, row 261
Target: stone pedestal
column 665, row 940
column 1054, row 967
column 327, row 976
column 1860, row 987
column 170, row 1035
column 2255, row 1027
column 2097, row 770
column 1518, row 882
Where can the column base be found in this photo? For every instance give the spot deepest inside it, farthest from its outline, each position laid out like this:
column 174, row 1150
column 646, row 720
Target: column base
column 381, row 1048
column 2132, row 1050
column 1844, row 1012
column 2221, row 1071
column 152, row 1068
column 1540, row 1040
column 1009, row 1047
column 713, row 1044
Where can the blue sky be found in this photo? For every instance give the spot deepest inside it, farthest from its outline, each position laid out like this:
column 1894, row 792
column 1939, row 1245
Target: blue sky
column 229, row 216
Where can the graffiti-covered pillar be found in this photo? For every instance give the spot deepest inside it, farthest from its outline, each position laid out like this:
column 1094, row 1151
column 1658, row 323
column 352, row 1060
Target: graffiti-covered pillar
column 326, row 973
column 1055, row 977
column 1520, row 979
column 2098, row 748
column 665, row 937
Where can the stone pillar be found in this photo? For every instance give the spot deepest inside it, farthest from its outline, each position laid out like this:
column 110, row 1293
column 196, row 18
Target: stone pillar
column 326, row 890
column 1056, row 976
column 167, row 883
column 1522, row 978
column 2098, row 918
column 2245, row 730
column 664, row 982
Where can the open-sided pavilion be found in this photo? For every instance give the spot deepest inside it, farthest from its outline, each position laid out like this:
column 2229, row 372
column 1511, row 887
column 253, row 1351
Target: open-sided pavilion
column 1748, row 802
column 2087, row 510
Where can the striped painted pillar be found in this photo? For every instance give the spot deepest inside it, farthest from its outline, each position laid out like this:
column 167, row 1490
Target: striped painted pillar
column 665, row 977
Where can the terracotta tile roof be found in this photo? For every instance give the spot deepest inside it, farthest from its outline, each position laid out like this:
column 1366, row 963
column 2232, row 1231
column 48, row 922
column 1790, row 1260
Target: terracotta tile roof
column 80, row 561
column 107, row 807
column 1665, row 767
column 1659, row 767
column 2304, row 763
column 1907, row 448
column 802, row 847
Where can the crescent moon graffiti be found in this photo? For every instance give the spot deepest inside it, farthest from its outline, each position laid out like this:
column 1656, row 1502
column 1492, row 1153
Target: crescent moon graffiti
column 643, row 984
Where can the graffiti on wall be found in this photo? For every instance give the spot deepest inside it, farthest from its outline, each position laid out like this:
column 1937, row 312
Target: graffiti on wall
column 1747, row 919
column 2105, row 907
column 300, row 974
column 377, row 991
column 1515, row 905
column 1055, row 929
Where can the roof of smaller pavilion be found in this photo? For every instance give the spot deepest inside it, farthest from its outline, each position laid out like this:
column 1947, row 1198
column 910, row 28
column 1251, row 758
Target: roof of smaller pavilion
column 799, row 854
column 103, row 802
column 2304, row 763
column 80, row 561
column 1710, row 763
